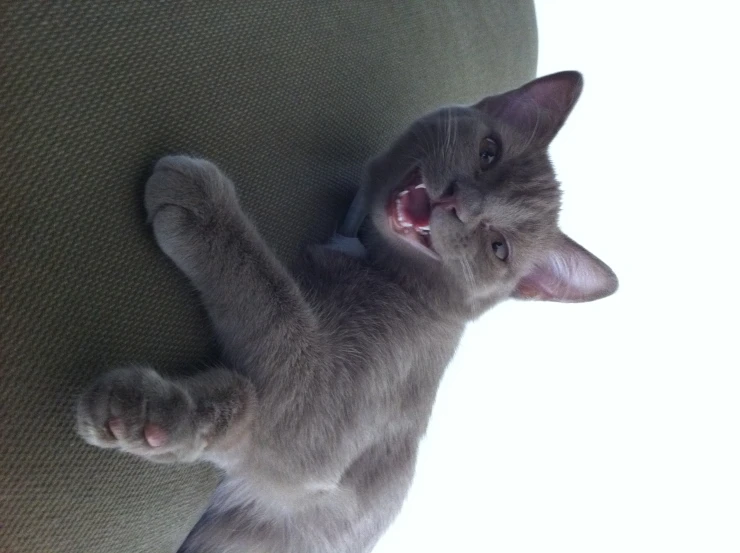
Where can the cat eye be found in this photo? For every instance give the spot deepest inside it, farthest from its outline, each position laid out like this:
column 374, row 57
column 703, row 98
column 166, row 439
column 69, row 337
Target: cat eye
column 501, row 250
column 489, row 153
column 500, row 247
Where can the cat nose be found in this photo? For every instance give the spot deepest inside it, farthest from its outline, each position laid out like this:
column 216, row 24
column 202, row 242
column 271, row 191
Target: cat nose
column 462, row 198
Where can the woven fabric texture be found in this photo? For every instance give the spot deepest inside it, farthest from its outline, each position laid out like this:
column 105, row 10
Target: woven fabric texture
column 288, row 97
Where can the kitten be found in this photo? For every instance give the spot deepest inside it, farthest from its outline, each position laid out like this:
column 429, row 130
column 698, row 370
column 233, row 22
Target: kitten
column 329, row 374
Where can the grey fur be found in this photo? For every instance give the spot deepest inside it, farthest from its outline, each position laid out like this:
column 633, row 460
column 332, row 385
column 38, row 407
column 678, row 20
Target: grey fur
column 330, row 374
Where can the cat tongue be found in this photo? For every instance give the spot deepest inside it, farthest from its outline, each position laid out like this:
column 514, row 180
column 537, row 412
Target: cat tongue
column 416, row 206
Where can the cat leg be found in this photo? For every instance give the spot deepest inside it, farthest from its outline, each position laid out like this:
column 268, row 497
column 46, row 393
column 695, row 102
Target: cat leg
column 267, row 330
column 256, row 308
column 138, row 411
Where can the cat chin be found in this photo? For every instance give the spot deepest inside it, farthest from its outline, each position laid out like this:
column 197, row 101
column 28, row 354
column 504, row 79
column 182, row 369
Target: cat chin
column 414, row 240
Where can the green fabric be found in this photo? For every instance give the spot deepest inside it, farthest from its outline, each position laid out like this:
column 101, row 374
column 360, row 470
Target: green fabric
column 288, row 97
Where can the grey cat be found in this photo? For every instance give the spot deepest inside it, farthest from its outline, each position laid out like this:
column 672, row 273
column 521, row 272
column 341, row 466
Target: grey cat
column 330, row 373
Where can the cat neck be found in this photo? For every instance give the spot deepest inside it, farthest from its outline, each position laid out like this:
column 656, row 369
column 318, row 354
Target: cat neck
column 424, row 282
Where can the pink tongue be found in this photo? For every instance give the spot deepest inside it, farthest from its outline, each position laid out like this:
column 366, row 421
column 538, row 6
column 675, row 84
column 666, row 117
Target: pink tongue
column 416, row 207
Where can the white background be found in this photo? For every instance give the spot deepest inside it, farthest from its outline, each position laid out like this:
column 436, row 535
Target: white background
column 611, row 426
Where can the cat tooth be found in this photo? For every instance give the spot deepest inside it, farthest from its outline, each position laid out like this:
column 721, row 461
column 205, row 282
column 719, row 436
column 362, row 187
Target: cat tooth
column 400, row 219
column 403, row 193
column 420, row 185
column 424, row 228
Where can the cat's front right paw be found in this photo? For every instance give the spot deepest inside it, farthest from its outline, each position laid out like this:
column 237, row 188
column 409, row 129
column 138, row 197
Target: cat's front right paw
column 139, row 412
column 193, row 184
column 188, row 202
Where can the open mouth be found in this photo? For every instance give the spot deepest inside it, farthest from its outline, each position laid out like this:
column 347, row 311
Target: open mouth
column 409, row 210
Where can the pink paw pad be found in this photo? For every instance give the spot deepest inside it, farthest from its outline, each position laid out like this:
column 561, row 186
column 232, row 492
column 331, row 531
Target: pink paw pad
column 154, row 435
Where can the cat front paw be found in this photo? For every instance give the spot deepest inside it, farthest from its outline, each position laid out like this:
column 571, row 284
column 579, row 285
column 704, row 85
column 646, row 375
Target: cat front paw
column 139, row 412
column 188, row 201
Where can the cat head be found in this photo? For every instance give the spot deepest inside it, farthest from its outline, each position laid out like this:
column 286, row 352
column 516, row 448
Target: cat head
column 467, row 197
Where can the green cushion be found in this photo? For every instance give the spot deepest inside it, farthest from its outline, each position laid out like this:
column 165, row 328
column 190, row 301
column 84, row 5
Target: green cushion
column 288, row 97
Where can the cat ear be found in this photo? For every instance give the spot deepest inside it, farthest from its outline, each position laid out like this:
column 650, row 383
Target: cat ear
column 568, row 273
column 540, row 107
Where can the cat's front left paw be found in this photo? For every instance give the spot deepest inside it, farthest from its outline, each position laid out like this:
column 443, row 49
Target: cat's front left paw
column 139, row 412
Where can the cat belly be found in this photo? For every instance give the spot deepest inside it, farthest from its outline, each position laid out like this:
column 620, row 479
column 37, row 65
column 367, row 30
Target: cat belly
column 332, row 523
column 348, row 516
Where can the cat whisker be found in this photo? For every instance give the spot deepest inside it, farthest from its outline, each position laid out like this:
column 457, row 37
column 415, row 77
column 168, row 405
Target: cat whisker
column 424, row 145
column 467, row 271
